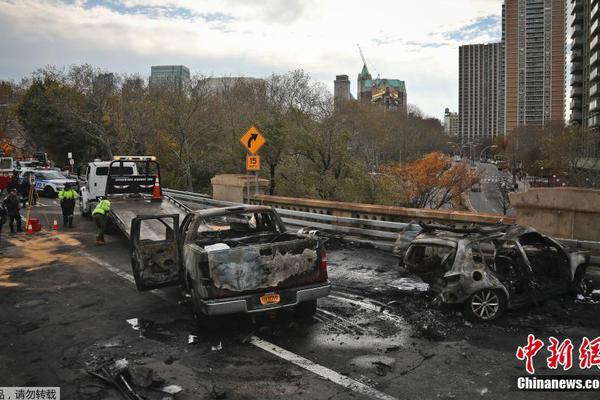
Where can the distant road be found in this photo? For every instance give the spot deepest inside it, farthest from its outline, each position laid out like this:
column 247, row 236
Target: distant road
column 486, row 201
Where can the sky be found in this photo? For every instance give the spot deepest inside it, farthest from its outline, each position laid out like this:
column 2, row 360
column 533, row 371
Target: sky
column 415, row 41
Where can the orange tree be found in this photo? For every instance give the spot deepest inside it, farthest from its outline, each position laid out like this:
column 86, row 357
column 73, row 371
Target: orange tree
column 430, row 182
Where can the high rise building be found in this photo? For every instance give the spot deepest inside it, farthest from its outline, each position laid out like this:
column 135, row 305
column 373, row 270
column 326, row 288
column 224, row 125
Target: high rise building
column 585, row 63
column 176, row 75
column 341, row 88
column 480, row 92
column 533, row 33
column 450, row 123
column 390, row 93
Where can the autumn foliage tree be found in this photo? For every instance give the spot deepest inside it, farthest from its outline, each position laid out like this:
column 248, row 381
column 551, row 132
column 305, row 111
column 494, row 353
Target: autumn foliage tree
column 431, row 181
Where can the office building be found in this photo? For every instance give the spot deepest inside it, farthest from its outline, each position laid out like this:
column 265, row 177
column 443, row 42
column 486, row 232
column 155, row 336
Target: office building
column 169, row 75
column 341, row 88
column 585, row 63
column 533, row 33
column 450, row 123
column 389, row 93
column 480, row 92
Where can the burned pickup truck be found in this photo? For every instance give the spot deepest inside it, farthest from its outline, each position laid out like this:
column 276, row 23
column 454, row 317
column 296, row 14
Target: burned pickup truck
column 230, row 260
column 491, row 269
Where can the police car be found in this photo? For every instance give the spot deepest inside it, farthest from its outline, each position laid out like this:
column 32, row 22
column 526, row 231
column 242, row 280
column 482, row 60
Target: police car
column 49, row 182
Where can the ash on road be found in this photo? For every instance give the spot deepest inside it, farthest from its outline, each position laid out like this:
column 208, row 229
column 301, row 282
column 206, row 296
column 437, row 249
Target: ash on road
column 65, row 306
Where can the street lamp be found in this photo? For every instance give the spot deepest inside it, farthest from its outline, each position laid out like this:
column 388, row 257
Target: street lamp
column 485, row 148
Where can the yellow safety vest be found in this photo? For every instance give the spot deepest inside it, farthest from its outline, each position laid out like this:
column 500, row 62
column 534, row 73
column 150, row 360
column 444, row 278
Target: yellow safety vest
column 102, row 208
column 67, row 194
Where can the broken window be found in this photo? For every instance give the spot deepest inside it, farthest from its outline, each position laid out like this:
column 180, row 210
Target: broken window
column 430, row 261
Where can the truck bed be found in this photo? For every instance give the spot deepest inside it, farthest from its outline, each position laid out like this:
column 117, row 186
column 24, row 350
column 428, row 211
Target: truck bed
column 124, row 210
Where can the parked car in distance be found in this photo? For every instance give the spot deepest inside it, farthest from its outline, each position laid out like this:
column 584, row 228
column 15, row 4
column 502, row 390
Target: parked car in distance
column 491, row 269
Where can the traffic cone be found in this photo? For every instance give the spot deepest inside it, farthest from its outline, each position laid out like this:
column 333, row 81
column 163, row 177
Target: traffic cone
column 156, row 192
column 29, row 229
column 55, row 226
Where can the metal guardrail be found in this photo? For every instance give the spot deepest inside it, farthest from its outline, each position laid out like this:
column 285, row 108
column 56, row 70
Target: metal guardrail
column 381, row 234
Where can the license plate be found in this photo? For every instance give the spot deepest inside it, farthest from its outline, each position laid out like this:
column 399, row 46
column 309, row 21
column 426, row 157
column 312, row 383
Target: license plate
column 269, row 299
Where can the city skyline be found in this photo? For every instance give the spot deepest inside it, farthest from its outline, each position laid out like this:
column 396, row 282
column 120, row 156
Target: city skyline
column 217, row 39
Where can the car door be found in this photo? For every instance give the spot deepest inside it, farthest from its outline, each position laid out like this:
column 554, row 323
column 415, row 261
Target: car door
column 155, row 257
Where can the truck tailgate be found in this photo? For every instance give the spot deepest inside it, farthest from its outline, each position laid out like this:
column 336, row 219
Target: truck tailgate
column 247, row 268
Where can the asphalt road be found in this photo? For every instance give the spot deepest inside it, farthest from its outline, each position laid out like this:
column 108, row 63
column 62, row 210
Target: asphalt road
column 68, row 306
column 486, row 201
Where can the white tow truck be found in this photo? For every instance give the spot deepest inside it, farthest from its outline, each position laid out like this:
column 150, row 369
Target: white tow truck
column 128, row 182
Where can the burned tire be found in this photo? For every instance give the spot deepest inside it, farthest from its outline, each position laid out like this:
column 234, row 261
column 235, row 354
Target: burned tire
column 485, row 305
column 204, row 322
column 306, row 309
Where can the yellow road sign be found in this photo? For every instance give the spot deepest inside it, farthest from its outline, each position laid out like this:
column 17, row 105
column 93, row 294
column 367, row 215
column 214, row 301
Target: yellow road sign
column 253, row 140
column 253, row 163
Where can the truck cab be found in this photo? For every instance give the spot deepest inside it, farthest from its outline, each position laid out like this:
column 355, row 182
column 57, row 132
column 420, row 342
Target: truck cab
column 93, row 180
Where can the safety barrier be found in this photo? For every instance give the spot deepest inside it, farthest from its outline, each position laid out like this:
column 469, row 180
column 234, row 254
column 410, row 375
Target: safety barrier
column 377, row 232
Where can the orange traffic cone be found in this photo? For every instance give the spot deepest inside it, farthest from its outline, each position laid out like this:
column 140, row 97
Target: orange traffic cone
column 156, row 192
column 55, row 226
column 29, row 229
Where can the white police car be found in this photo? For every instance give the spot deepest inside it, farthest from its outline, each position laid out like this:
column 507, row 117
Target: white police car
column 49, row 182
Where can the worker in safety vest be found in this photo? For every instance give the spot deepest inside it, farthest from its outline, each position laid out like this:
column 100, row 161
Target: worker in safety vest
column 100, row 214
column 67, row 197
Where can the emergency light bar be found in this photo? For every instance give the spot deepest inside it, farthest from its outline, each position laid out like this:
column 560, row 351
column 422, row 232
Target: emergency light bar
column 134, row 158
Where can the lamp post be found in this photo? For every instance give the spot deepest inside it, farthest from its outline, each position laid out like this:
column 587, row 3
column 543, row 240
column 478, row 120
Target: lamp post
column 493, row 146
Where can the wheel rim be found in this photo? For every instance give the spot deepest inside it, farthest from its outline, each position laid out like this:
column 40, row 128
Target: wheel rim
column 485, row 304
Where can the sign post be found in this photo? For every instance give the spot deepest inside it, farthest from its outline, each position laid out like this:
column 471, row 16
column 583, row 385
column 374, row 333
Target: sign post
column 252, row 140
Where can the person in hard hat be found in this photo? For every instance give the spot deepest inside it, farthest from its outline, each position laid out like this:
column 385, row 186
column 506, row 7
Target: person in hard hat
column 67, row 197
column 11, row 202
column 100, row 214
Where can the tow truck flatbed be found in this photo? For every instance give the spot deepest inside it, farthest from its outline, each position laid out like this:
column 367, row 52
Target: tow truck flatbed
column 125, row 209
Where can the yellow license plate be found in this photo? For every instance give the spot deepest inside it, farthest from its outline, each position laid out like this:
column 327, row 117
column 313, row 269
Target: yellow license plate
column 270, row 299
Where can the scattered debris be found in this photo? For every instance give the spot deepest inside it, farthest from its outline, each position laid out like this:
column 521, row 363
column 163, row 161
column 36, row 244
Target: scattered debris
column 171, row 389
column 408, row 284
column 218, row 393
column 29, row 303
column 134, row 323
column 217, row 347
column 192, row 339
column 483, row 391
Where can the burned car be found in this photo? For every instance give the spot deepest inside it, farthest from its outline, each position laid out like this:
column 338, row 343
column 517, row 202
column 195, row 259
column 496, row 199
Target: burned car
column 491, row 269
column 232, row 260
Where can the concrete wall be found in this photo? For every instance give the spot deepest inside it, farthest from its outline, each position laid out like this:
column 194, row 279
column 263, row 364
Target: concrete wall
column 234, row 187
column 570, row 213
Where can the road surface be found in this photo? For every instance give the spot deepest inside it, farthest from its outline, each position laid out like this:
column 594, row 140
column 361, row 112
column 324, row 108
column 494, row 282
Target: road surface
column 486, row 201
column 68, row 306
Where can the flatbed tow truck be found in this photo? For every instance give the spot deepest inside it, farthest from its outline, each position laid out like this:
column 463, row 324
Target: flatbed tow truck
column 239, row 259
column 128, row 182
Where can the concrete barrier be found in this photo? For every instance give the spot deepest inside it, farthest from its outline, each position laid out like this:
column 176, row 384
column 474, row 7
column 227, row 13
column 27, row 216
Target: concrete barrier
column 377, row 212
column 565, row 212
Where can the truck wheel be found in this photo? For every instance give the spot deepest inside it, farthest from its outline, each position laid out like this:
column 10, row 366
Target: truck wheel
column 306, row 309
column 485, row 305
column 204, row 322
column 49, row 192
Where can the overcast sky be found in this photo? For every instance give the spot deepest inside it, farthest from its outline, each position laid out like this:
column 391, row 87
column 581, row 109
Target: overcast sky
column 415, row 41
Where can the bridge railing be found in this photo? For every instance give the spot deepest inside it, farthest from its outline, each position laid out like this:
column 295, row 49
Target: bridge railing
column 358, row 223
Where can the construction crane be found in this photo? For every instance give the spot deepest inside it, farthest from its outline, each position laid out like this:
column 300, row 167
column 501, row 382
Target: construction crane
column 364, row 60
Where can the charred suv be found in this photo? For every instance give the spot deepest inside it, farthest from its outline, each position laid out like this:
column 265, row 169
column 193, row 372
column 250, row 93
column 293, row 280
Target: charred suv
column 230, row 260
column 491, row 269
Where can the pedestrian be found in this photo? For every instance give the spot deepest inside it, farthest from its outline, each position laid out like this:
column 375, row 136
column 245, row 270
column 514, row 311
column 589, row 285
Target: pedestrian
column 11, row 202
column 14, row 182
column 67, row 197
column 2, row 222
column 100, row 215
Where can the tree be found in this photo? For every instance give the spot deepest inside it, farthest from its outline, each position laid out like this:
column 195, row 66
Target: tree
column 432, row 181
column 503, row 187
